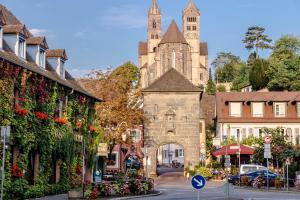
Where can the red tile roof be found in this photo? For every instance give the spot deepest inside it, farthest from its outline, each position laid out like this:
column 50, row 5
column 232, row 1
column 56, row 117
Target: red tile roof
column 173, row 35
column 223, row 98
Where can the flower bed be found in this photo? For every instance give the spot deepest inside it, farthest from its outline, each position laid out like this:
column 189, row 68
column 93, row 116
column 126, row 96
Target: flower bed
column 122, row 187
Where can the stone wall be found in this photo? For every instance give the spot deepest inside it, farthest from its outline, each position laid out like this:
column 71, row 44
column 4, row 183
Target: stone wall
column 172, row 118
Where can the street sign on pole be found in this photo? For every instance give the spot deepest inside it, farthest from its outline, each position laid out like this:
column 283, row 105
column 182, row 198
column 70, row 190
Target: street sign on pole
column 267, row 151
column 198, row 182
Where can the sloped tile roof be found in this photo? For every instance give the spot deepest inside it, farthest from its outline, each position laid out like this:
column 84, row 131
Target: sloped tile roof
column 172, row 81
column 37, row 41
column 143, row 48
column 2, row 20
column 10, row 19
column 70, row 82
column 173, row 35
column 56, row 53
column 203, row 49
column 15, row 29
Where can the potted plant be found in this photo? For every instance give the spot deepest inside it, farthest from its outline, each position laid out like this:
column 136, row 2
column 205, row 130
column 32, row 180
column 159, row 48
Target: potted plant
column 278, row 183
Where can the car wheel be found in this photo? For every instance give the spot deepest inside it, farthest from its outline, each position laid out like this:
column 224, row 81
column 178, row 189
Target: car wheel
column 236, row 182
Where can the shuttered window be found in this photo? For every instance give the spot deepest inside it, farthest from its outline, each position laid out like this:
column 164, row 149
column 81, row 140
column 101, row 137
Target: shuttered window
column 257, row 109
column 235, row 109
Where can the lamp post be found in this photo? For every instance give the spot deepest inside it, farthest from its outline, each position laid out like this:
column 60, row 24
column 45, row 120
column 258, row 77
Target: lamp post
column 5, row 132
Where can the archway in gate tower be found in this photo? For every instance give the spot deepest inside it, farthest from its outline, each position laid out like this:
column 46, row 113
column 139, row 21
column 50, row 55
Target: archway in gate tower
column 170, row 158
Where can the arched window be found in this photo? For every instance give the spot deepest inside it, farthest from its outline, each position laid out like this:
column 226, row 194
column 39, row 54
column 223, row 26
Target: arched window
column 174, row 59
column 154, row 49
column 154, row 24
column 194, row 28
column 188, row 28
column 156, row 36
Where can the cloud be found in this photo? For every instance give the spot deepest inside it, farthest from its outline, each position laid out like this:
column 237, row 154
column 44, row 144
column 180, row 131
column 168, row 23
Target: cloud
column 127, row 16
column 39, row 32
column 80, row 73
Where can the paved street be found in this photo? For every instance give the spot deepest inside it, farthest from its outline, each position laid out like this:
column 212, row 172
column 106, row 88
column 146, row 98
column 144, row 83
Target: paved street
column 174, row 186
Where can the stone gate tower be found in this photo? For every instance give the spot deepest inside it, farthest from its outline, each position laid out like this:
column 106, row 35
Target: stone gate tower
column 172, row 67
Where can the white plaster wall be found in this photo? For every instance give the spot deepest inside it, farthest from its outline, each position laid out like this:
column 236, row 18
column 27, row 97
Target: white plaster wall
column 12, row 42
column 222, row 128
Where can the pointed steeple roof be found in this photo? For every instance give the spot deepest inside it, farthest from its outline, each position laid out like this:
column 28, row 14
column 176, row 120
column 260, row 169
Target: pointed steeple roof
column 172, row 81
column 173, row 35
column 154, row 10
column 192, row 7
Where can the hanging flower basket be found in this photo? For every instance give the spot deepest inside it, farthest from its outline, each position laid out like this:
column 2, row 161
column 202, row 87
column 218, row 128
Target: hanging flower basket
column 59, row 120
column 21, row 111
column 41, row 115
column 92, row 128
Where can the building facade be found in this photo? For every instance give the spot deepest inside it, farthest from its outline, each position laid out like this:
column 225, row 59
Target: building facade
column 50, row 116
column 181, row 50
column 243, row 114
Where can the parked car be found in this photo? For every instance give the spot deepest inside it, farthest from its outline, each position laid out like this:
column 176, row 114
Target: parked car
column 252, row 175
column 250, row 167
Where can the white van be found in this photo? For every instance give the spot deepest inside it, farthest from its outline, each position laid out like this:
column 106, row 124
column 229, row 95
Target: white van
column 250, row 167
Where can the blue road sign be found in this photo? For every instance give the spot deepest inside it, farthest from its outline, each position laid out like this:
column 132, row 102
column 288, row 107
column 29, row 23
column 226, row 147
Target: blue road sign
column 198, row 182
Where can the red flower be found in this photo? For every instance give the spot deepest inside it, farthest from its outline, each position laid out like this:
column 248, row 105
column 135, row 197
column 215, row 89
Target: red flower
column 79, row 124
column 94, row 193
column 41, row 115
column 61, row 121
column 16, row 172
column 21, row 111
column 82, row 100
column 92, row 128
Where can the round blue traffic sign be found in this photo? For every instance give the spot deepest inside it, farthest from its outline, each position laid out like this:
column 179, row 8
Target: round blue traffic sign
column 198, row 182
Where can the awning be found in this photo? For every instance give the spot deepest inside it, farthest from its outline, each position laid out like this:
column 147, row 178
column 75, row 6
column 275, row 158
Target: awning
column 234, row 149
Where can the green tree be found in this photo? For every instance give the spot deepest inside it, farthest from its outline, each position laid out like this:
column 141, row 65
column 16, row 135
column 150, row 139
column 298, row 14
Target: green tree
column 242, row 79
column 211, row 86
column 221, row 88
column 257, row 76
column 256, row 39
column 284, row 70
column 227, row 67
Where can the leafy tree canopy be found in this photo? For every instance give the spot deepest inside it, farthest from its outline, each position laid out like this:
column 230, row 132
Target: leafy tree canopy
column 256, row 39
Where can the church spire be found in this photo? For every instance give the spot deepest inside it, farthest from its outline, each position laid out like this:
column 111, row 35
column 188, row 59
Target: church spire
column 191, row 6
column 154, row 10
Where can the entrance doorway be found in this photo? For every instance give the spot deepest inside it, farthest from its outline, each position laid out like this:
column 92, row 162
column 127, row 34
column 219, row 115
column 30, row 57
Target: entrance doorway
column 170, row 158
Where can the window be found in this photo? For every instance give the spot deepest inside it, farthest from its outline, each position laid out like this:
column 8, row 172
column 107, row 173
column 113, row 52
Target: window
column 280, row 109
column 42, row 58
column 201, row 76
column 260, row 133
column 250, row 132
column 257, row 109
column 21, row 48
column 188, row 28
column 289, row 135
column 152, row 36
column 194, row 28
column 238, row 134
column 176, row 153
column 154, row 25
column 165, row 154
column 181, row 153
column 298, row 109
column 156, row 36
column 112, row 161
column 135, row 134
column 235, row 109
column 62, row 69
column 297, row 136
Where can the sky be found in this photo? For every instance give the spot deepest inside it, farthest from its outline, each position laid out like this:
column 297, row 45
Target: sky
column 98, row 34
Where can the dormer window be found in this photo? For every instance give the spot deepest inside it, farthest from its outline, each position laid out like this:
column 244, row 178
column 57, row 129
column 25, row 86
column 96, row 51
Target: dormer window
column 62, row 68
column 42, row 58
column 21, row 48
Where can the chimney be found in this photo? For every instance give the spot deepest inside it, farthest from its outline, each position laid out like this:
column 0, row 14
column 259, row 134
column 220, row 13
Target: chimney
column 57, row 58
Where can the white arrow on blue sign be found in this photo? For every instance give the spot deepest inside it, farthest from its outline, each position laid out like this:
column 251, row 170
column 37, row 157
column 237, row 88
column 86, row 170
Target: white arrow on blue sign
column 198, row 182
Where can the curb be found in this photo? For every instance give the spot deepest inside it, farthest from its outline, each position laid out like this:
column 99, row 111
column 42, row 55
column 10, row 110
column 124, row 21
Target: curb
column 157, row 193
column 270, row 190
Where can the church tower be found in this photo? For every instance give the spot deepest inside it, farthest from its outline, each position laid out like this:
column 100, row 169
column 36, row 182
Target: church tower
column 191, row 31
column 154, row 31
